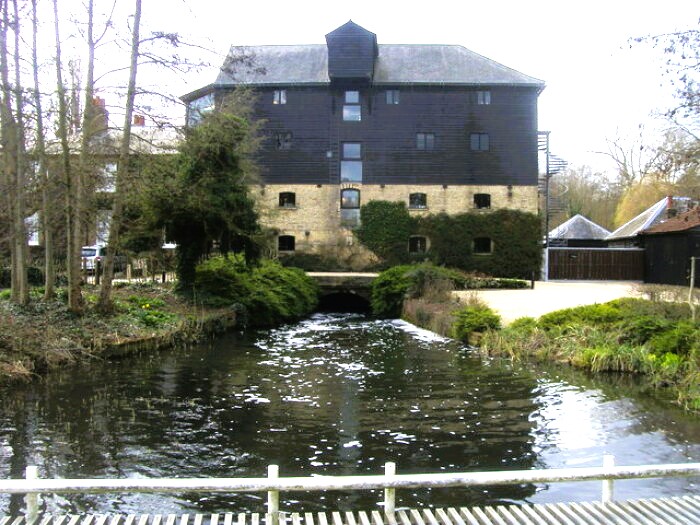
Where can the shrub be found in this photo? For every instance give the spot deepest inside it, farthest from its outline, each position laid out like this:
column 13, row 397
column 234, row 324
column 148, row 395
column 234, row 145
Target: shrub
column 268, row 293
column 392, row 286
column 474, row 319
column 679, row 338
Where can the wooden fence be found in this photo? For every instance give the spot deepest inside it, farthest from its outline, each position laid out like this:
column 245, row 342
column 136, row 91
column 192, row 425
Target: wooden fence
column 596, row 264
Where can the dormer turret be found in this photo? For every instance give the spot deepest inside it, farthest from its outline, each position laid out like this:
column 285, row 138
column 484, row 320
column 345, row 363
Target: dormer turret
column 352, row 52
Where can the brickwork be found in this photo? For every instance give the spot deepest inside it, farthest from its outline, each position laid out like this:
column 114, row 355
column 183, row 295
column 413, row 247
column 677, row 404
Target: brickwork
column 314, row 218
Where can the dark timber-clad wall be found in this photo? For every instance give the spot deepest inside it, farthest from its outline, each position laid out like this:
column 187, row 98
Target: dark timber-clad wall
column 388, row 135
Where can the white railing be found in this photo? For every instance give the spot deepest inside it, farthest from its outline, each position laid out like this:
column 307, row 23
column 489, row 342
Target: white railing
column 32, row 486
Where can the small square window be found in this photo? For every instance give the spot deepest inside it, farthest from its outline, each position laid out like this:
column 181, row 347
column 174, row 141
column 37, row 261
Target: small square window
column 418, row 201
column 482, row 200
column 284, row 140
column 425, row 141
column 483, row 98
column 417, row 244
column 392, row 96
column 352, row 97
column 482, row 246
column 479, row 141
column 286, row 243
column 279, row 96
column 288, row 199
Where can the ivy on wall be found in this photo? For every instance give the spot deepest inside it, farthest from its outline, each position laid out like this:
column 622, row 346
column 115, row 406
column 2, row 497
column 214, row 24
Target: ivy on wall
column 385, row 229
column 514, row 235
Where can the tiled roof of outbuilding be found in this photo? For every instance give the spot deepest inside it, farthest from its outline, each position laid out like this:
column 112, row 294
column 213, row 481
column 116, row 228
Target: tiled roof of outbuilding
column 683, row 222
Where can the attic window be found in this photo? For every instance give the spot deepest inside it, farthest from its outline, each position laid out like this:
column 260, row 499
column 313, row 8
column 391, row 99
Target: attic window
column 279, row 96
column 483, row 98
column 392, row 96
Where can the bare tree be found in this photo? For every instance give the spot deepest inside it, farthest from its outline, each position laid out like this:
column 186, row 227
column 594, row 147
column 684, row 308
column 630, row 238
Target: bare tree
column 75, row 295
column 47, row 208
column 123, row 168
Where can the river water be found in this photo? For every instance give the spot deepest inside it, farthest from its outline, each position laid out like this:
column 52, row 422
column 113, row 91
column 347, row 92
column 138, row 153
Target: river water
column 334, row 394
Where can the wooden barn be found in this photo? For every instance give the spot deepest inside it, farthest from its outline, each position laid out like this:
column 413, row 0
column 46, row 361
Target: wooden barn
column 669, row 247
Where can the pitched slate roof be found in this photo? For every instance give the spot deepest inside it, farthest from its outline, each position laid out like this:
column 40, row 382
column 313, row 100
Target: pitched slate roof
column 680, row 223
column 647, row 218
column 396, row 64
column 579, row 227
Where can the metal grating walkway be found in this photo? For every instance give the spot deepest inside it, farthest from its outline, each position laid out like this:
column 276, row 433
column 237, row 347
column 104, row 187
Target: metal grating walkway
column 660, row 511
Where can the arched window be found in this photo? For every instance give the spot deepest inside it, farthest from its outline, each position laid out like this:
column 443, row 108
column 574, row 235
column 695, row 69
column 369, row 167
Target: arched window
column 417, row 244
column 288, row 199
column 285, row 243
column 418, row 201
column 482, row 246
column 482, row 200
column 350, row 208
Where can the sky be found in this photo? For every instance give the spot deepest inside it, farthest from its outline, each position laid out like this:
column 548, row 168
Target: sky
column 599, row 86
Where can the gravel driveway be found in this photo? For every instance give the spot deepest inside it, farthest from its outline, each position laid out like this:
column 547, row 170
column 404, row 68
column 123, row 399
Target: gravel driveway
column 548, row 296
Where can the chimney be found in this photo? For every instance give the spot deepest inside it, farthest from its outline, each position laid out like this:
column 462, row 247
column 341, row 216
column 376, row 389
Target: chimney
column 671, row 210
column 100, row 117
column 139, row 120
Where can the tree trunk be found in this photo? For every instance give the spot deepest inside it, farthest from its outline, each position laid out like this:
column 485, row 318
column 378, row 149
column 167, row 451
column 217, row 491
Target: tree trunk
column 21, row 251
column 47, row 211
column 75, row 296
column 11, row 161
column 105, row 301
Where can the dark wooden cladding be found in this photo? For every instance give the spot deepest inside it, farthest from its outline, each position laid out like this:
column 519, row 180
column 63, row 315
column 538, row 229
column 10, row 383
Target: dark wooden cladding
column 596, row 264
column 387, row 132
column 668, row 257
column 352, row 51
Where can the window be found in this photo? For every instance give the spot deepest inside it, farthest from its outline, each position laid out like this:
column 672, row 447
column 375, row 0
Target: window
column 418, row 201
column 479, row 141
column 425, row 141
column 483, row 98
column 288, row 199
column 482, row 246
column 279, row 96
column 352, row 111
column 198, row 108
column 351, row 162
column 108, row 178
column 284, row 140
column 417, row 244
column 392, row 96
column 285, row 243
column 350, row 208
column 482, row 200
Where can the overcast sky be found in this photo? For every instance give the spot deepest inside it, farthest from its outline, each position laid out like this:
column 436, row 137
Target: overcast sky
column 599, row 86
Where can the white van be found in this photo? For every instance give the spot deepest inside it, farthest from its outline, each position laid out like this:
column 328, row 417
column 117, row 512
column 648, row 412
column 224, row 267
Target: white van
column 91, row 255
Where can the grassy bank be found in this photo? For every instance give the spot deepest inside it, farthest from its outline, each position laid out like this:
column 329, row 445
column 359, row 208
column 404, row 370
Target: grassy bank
column 654, row 339
column 149, row 316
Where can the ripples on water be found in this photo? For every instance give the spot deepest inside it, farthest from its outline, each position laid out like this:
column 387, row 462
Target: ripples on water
column 334, row 394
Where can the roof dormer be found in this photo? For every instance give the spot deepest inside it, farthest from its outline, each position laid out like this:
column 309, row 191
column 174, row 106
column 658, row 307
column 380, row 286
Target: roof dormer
column 352, row 52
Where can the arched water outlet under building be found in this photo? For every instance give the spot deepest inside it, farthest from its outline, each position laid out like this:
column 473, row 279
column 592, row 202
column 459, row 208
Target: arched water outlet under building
column 344, row 292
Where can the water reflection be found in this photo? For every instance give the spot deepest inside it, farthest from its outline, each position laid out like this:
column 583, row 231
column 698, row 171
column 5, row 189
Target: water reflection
column 335, row 394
